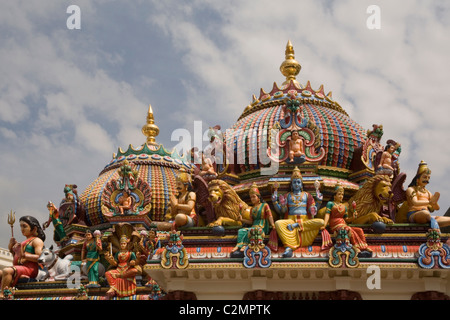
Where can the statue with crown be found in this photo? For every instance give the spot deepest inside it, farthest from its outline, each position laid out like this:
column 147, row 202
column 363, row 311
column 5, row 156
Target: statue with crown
column 299, row 227
column 126, row 196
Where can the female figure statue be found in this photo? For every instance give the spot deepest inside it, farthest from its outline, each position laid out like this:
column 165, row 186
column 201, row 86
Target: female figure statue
column 122, row 280
column 25, row 254
column 260, row 215
column 336, row 216
column 90, row 256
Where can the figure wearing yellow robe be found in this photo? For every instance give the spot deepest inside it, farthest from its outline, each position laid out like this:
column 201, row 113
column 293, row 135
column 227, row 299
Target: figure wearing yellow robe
column 299, row 228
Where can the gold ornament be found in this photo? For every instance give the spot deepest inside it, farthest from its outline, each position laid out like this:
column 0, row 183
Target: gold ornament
column 296, row 174
column 254, row 190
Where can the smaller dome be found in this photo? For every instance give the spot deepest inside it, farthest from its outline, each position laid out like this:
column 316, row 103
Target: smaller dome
column 153, row 164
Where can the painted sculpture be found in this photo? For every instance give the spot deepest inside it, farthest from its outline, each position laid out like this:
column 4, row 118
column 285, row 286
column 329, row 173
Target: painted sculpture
column 90, row 256
column 71, row 210
column 260, row 217
column 59, row 233
column 228, row 206
column 375, row 193
column 127, row 195
column 296, row 147
column 54, row 267
column 182, row 207
column 387, row 161
column 25, row 254
column 122, row 279
column 420, row 202
column 207, row 168
column 298, row 139
column 372, row 146
column 336, row 216
column 434, row 253
column 299, row 228
column 174, row 254
column 343, row 252
column 257, row 254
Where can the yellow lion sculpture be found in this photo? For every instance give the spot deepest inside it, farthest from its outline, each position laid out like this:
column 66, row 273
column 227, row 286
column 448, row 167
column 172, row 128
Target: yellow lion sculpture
column 227, row 204
column 375, row 192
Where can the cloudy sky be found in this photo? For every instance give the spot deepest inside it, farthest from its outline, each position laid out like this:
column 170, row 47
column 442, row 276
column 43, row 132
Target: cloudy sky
column 70, row 98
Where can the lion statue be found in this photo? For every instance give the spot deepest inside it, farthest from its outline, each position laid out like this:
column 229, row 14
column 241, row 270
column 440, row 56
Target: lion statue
column 227, row 204
column 370, row 199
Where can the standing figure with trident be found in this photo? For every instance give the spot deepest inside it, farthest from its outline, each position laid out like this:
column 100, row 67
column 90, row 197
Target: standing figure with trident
column 25, row 254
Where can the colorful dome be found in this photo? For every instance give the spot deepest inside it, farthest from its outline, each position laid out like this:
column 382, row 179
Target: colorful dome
column 338, row 135
column 153, row 164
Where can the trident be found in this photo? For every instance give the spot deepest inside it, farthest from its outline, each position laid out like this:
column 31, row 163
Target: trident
column 11, row 220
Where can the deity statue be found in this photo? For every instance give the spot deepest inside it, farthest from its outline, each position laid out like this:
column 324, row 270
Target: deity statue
column 299, row 228
column 422, row 202
column 122, row 280
column 125, row 201
column 69, row 193
column 387, row 163
column 296, row 148
column 260, row 217
column 147, row 245
column 25, row 254
column 145, row 249
column 207, row 167
column 90, row 256
column 336, row 215
column 129, row 195
column 59, row 233
column 182, row 206
column 71, row 210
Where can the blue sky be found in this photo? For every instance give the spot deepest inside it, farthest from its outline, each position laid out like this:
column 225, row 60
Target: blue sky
column 70, row 98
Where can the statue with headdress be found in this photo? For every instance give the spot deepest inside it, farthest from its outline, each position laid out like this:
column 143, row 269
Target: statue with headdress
column 420, row 202
column 299, row 227
column 386, row 162
column 182, row 206
column 336, row 215
column 127, row 195
column 122, row 278
column 260, row 217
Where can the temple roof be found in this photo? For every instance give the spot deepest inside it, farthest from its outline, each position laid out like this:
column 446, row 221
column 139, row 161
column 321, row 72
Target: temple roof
column 153, row 163
column 339, row 134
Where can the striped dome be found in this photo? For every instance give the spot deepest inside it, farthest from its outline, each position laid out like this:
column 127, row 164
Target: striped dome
column 339, row 134
column 154, row 164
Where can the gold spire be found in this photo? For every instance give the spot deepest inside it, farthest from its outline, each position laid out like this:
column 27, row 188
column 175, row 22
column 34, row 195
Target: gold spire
column 150, row 130
column 290, row 67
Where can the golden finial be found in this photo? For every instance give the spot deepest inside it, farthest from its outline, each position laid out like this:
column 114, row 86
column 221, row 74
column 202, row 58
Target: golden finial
column 290, row 67
column 150, row 130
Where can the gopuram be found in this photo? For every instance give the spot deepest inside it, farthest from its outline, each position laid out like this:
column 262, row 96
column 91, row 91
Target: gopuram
column 296, row 201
